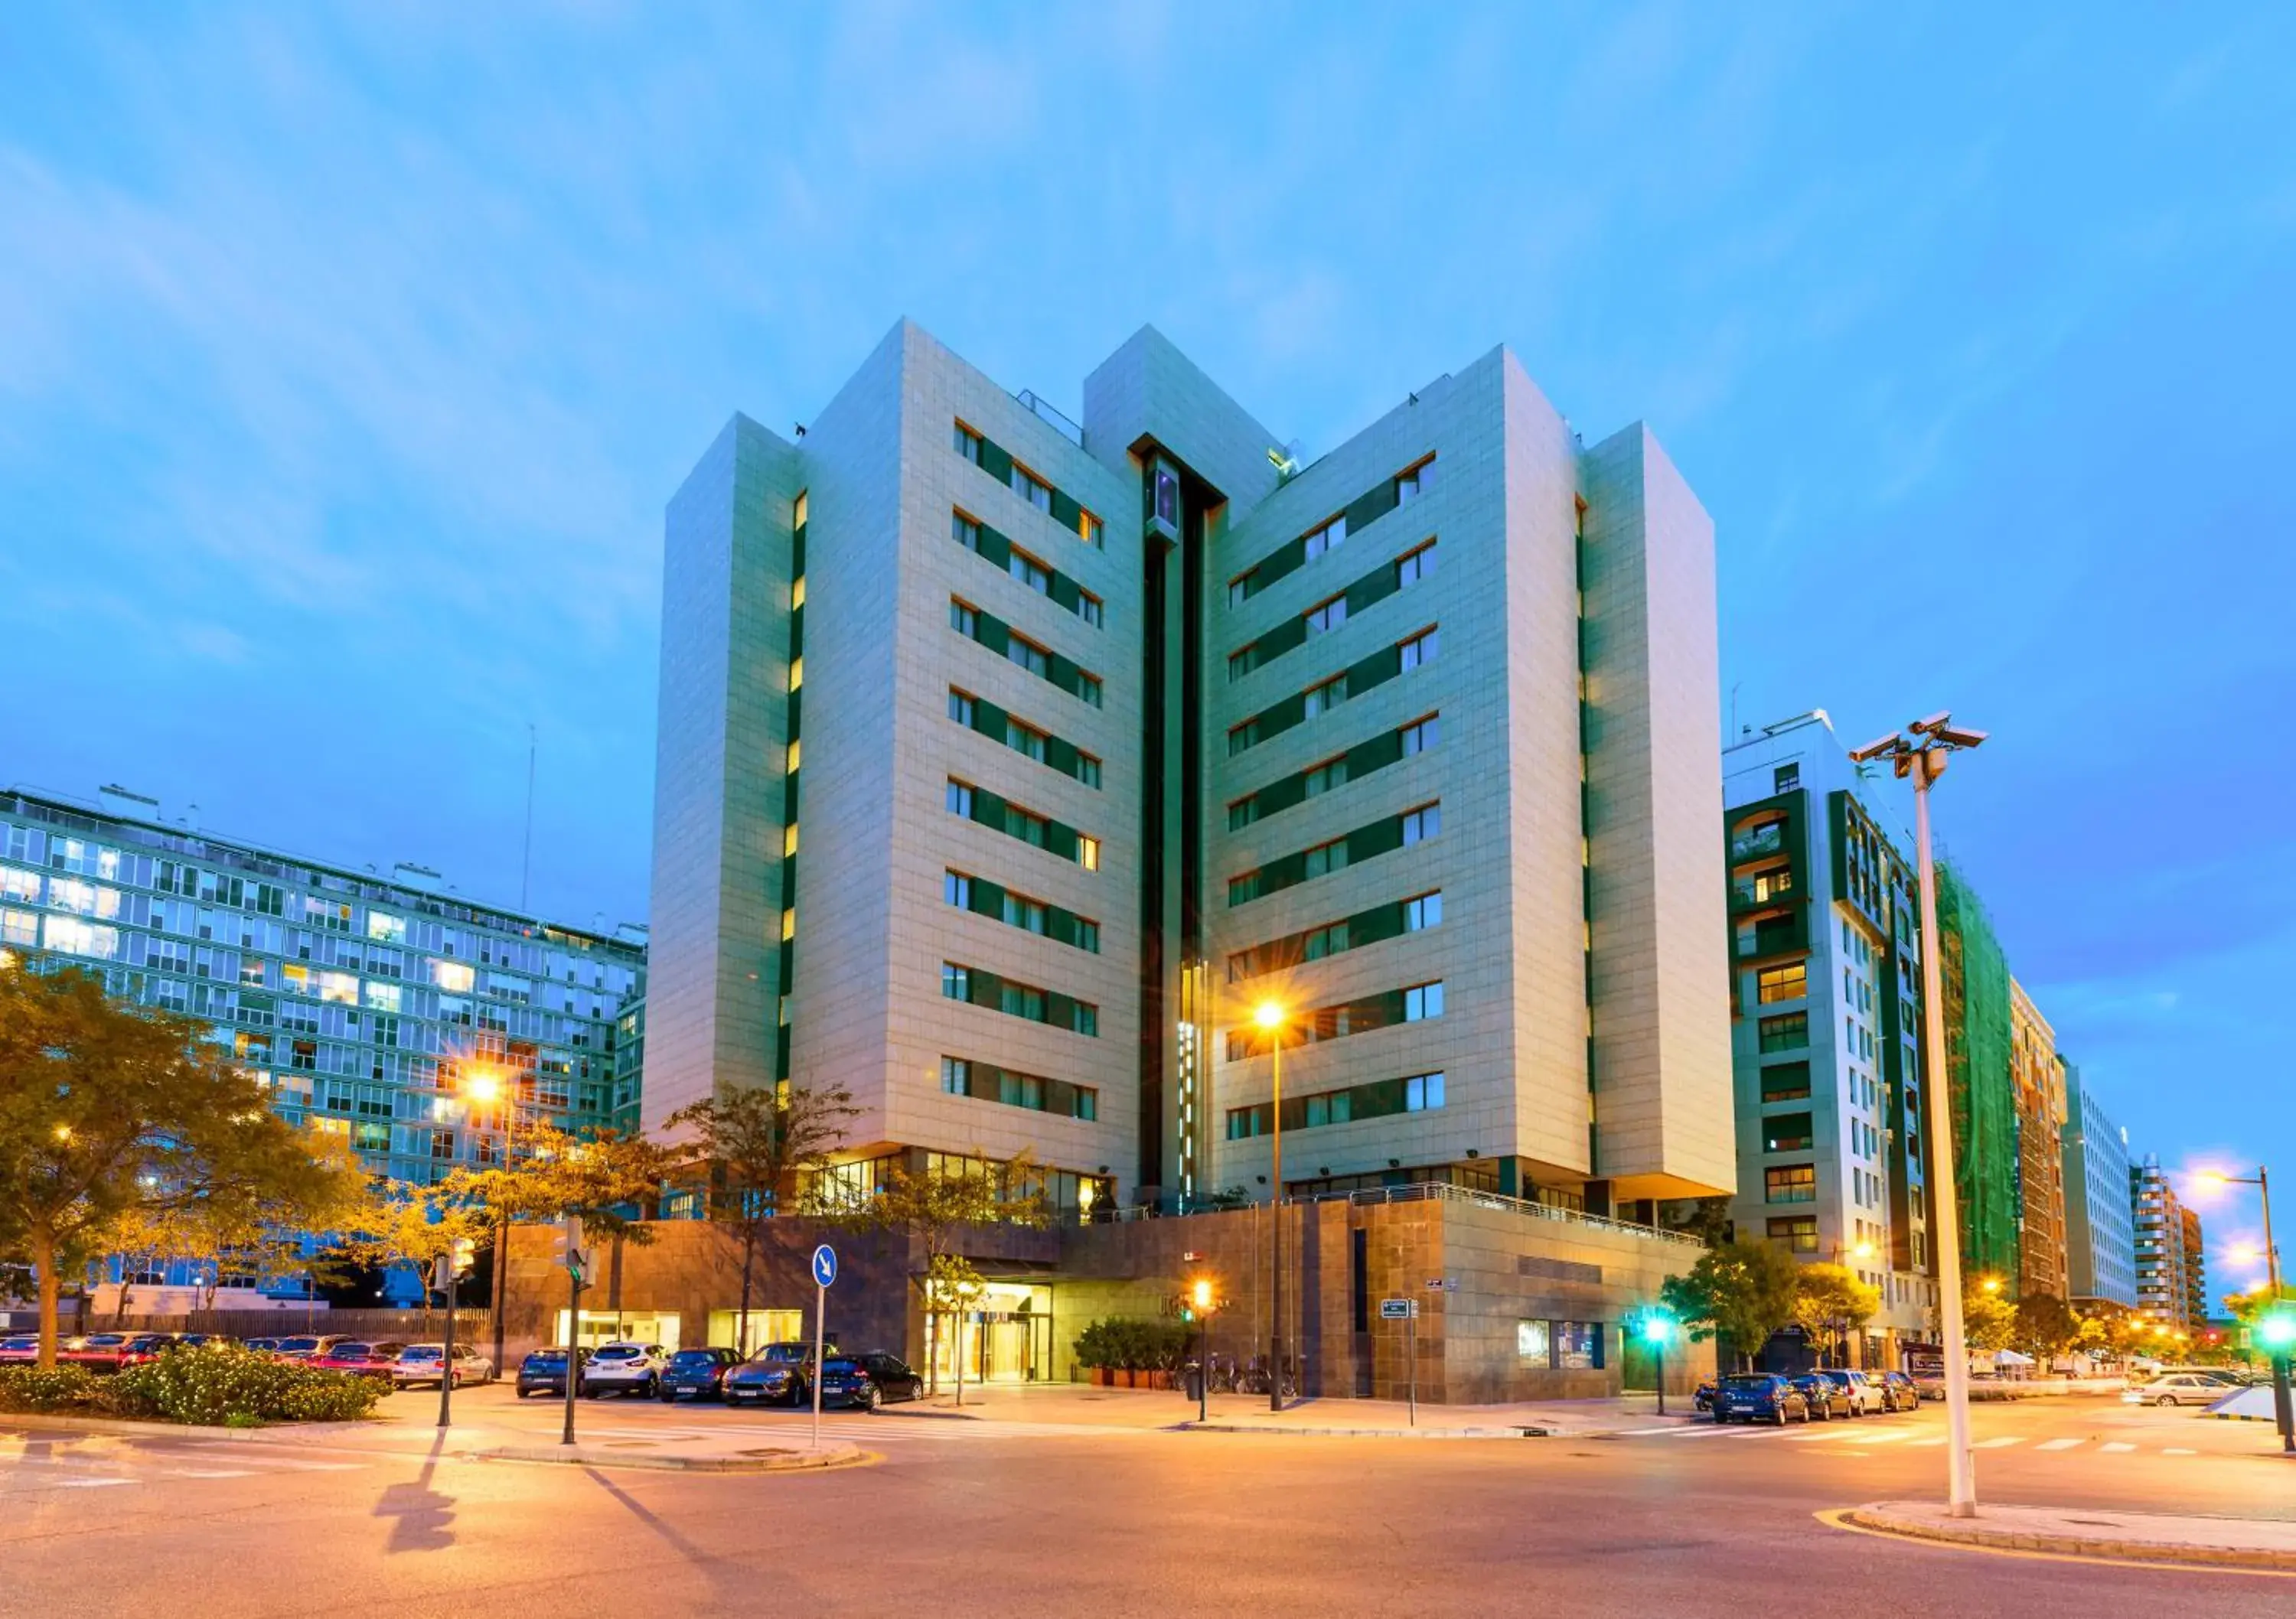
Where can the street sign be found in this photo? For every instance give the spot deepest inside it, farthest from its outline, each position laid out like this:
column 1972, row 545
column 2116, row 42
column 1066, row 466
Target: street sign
column 1442, row 1284
column 1397, row 1309
column 824, row 1265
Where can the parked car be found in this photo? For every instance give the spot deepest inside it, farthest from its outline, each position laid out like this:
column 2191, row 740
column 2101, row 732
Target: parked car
column 775, row 1374
column 893, row 1375
column 1864, row 1394
column 1825, row 1398
column 262, row 1346
column 1899, row 1393
column 1703, row 1397
column 544, row 1372
column 2177, row 1388
column 147, row 1347
column 845, row 1381
column 1759, row 1396
column 359, row 1358
column 697, row 1374
column 214, row 1340
column 306, row 1345
column 98, row 1351
column 20, row 1347
column 420, row 1363
column 2229, row 1376
column 623, row 1368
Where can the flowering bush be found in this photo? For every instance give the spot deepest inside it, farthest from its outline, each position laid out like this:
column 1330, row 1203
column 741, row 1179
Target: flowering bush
column 223, row 1386
column 43, row 1389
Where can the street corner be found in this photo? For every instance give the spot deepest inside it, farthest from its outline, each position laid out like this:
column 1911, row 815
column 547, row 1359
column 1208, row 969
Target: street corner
column 2251, row 1546
column 753, row 1461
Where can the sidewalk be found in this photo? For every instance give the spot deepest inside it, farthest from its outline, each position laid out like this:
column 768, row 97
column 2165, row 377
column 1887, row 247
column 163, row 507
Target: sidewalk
column 2141, row 1537
column 1082, row 1403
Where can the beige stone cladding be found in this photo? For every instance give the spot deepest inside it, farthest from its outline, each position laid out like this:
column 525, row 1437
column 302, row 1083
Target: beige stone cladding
column 1511, row 1265
column 884, row 971
column 722, row 726
column 1661, row 1054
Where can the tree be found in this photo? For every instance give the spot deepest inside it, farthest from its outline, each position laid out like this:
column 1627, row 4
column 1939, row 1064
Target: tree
column 2046, row 1326
column 1988, row 1322
column 1707, row 1218
column 107, row 1107
column 932, row 1209
column 412, row 1228
column 1829, row 1304
column 751, row 1144
column 1743, row 1290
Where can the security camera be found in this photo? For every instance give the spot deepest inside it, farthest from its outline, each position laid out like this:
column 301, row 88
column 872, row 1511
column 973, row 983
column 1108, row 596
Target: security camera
column 1953, row 737
column 1934, row 723
column 1879, row 747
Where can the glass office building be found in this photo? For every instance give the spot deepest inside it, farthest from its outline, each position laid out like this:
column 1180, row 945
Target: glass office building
column 366, row 1005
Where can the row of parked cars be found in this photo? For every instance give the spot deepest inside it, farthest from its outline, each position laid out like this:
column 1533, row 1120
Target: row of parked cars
column 2185, row 1385
column 779, row 1374
column 1812, row 1396
column 401, row 1365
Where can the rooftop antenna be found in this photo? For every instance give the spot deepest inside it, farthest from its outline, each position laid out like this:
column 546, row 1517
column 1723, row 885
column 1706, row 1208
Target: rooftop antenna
column 526, row 854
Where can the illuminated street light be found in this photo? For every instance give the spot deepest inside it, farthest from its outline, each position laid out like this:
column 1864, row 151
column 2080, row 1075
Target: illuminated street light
column 1919, row 754
column 1658, row 1326
column 483, row 1085
column 1200, row 1297
column 1270, row 1015
column 1992, row 1284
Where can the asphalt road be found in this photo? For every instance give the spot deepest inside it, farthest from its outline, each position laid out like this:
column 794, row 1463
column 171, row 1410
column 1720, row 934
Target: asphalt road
column 980, row 1518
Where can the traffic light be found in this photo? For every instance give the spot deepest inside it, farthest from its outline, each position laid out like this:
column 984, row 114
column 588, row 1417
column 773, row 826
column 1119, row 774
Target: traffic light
column 566, row 1247
column 462, row 1255
column 2277, row 1330
column 1657, row 1327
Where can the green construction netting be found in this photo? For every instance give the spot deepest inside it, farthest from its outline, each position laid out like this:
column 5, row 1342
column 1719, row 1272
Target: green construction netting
column 1977, row 1052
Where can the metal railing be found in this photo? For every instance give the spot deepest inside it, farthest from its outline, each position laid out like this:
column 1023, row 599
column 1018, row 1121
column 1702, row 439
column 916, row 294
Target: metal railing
column 1419, row 1191
column 1045, row 413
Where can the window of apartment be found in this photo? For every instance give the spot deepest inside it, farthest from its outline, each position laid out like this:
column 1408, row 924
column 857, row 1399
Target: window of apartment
column 1020, row 1001
column 1325, row 858
column 1025, row 740
column 1330, row 536
column 1787, row 983
column 1414, row 482
column 1422, row 911
column 1327, row 941
column 1028, row 655
column 963, row 617
column 956, row 1075
column 1422, row 824
column 1415, row 565
column 1088, row 854
column 959, row 799
column 1790, row 1183
column 1785, row 1032
column 1423, row 1001
column 960, row 706
column 955, row 982
column 956, row 889
column 1024, row 913
column 1087, row 769
column 1786, row 1133
column 1421, row 1092
column 1088, row 935
column 965, row 531
column 1785, row 778
column 1327, row 615
column 1419, row 650
column 1242, row 737
column 1419, row 736
column 1785, row 1082
column 1323, row 696
column 1030, row 572
column 968, row 444
column 1091, row 610
column 1088, row 688
column 1026, row 825
column 1326, row 776
column 1031, row 488
column 1091, row 531
column 1799, row 1232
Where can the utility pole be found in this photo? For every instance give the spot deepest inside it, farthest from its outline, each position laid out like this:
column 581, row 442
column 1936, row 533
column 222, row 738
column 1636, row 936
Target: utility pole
column 573, row 1321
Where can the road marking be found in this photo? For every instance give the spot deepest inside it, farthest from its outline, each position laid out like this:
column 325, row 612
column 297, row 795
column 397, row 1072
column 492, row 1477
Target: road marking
column 1819, row 1437
column 209, row 1473
column 2175, row 1451
column 1933, row 1439
column 90, row 1483
column 2116, row 1448
column 2002, row 1443
column 1883, row 1438
column 2059, row 1444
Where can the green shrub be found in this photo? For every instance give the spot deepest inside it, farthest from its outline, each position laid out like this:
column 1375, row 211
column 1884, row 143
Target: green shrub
column 236, row 1387
column 1136, row 1346
column 37, row 1388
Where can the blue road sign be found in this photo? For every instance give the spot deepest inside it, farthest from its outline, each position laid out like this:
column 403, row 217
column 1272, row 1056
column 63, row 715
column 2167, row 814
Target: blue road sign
column 824, row 1265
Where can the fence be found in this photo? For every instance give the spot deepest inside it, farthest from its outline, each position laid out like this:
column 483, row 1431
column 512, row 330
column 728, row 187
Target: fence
column 469, row 1325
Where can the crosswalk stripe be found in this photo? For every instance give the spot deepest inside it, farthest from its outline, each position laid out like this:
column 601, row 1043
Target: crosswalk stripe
column 1884, row 1438
column 1819, row 1435
column 2059, row 1444
column 208, row 1473
column 2001, row 1443
column 90, row 1483
column 2116, row 1448
column 1933, row 1439
column 2177, row 1450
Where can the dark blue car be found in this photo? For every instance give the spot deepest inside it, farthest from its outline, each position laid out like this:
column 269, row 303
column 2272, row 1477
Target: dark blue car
column 1759, row 1397
column 697, row 1374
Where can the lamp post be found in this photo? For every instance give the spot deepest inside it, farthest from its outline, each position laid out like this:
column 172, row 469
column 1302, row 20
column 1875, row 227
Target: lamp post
column 1201, row 1296
column 1657, row 1328
column 485, row 1087
column 1919, row 754
column 2275, row 1326
column 1270, row 1018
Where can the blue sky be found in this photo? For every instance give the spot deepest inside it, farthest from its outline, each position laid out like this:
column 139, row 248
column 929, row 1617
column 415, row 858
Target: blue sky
column 347, row 359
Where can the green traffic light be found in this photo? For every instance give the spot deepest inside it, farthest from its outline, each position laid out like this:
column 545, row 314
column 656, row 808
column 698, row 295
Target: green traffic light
column 2277, row 1330
column 1656, row 1328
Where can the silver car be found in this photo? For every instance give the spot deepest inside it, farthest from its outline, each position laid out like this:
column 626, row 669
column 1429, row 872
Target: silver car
column 2177, row 1388
column 1866, row 1398
column 624, row 1369
column 419, row 1363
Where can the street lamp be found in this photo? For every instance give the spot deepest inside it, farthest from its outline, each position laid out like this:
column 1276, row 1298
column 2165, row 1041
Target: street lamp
column 1201, row 1296
column 2284, row 1410
column 1919, row 754
column 1270, row 1016
column 485, row 1087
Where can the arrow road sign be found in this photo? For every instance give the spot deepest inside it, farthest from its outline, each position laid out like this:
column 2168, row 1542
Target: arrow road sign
column 824, row 1265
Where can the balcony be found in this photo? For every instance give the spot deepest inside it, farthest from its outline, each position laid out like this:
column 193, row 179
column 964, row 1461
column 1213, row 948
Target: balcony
column 1767, row 838
column 1762, row 887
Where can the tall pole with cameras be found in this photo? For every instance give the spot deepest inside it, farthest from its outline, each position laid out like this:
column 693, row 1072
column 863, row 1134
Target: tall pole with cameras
column 1919, row 754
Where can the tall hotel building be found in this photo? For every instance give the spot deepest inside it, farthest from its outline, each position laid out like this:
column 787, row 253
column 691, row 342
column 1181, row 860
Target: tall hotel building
column 360, row 1001
column 1825, row 979
column 2100, row 1230
column 1008, row 765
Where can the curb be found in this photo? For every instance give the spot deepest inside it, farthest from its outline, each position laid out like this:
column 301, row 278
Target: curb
column 584, row 1456
column 1978, row 1533
column 275, row 1433
column 1525, row 1431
